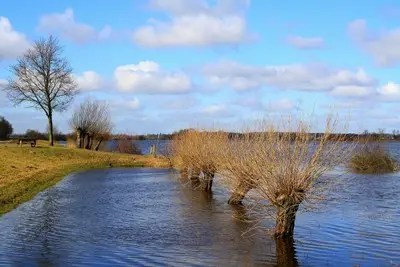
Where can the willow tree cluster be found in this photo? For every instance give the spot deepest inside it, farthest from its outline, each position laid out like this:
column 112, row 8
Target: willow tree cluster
column 91, row 121
column 196, row 154
column 281, row 163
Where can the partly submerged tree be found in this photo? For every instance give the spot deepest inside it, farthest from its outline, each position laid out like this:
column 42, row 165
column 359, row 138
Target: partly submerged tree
column 42, row 78
column 6, row 129
column 284, row 166
column 91, row 121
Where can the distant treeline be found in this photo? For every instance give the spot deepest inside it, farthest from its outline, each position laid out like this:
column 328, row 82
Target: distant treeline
column 34, row 134
column 374, row 136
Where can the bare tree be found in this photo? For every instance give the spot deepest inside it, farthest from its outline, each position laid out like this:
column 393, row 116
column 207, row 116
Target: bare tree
column 91, row 121
column 42, row 77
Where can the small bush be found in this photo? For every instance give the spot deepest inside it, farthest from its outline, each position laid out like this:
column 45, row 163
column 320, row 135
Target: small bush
column 128, row 147
column 372, row 158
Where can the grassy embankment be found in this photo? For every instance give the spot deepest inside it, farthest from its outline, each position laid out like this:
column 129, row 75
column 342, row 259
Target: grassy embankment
column 25, row 171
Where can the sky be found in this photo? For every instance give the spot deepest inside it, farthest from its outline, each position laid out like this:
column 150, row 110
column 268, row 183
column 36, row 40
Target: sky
column 164, row 65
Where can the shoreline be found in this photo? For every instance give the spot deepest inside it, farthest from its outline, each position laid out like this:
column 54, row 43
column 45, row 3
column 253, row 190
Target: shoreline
column 26, row 171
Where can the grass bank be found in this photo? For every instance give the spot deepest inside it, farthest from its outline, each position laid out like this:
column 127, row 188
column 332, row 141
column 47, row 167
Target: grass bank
column 25, row 171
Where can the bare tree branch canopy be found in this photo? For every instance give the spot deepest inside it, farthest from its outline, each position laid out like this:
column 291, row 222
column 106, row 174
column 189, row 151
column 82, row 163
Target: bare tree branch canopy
column 91, row 120
column 42, row 78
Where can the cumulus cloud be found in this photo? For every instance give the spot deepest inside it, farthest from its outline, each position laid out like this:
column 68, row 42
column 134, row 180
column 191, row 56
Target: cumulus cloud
column 12, row 43
column 148, row 77
column 353, row 91
column 3, row 98
column 195, row 23
column 89, row 81
column 383, row 46
column 390, row 92
column 217, row 110
column 248, row 102
column 132, row 104
column 303, row 77
column 282, row 105
column 65, row 25
column 306, row 42
column 177, row 103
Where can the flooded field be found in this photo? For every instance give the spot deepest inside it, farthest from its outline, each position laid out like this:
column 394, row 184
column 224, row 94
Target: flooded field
column 145, row 217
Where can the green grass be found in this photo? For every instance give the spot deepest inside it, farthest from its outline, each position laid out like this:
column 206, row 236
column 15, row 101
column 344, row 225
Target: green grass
column 25, row 171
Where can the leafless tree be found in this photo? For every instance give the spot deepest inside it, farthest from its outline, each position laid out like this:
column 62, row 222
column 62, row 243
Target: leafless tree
column 42, row 78
column 91, row 121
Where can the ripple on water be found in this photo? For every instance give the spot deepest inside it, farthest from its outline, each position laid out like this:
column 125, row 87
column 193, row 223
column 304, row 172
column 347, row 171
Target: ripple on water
column 144, row 217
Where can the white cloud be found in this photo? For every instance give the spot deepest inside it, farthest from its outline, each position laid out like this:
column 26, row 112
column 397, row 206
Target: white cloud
column 195, row 23
column 306, row 42
column 12, row 43
column 304, row 77
column 390, row 92
column 383, row 46
column 65, row 25
column 177, row 103
column 3, row 97
column 132, row 104
column 248, row 102
column 3, row 83
column 352, row 91
column 282, row 105
column 89, row 81
column 213, row 109
column 148, row 77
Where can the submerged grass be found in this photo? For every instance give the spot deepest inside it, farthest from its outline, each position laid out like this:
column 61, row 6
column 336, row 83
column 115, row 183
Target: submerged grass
column 25, row 171
column 372, row 158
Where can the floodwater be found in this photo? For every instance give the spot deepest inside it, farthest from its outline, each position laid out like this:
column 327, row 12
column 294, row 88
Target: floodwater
column 145, row 217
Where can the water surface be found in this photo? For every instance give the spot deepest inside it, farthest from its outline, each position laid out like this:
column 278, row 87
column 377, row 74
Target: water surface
column 145, row 217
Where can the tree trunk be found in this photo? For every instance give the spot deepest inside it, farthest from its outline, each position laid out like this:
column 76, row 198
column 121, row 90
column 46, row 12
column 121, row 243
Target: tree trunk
column 98, row 144
column 87, row 141
column 239, row 193
column 184, row 173
column 195, row 177
column 79, row 138
column 285, row 252
column 90, row 142
column 208, row 179
column 285, row 219
column 51, row 135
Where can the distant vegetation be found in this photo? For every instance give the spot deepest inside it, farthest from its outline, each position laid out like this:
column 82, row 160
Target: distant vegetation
column 6, row 129
column 35, row 134
column 372, row 158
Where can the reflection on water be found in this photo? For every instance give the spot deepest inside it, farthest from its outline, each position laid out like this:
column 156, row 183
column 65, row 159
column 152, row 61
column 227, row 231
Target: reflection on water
column 144, row 217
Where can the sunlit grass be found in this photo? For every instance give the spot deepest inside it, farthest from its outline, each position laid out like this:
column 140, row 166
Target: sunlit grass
column 25, row 171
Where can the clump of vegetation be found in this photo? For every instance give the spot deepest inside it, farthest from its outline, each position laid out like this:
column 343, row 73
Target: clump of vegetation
column 196, row 154
column 127, row 146
column 6, row 129
column 372, row 158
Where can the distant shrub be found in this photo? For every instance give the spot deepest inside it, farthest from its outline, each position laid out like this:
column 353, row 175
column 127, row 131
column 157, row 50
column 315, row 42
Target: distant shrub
column 6, row 129
column 34, row 134
column 372, row 158
column 128, row 147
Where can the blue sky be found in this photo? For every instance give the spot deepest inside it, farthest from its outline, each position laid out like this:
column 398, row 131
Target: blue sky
column 163, row 65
